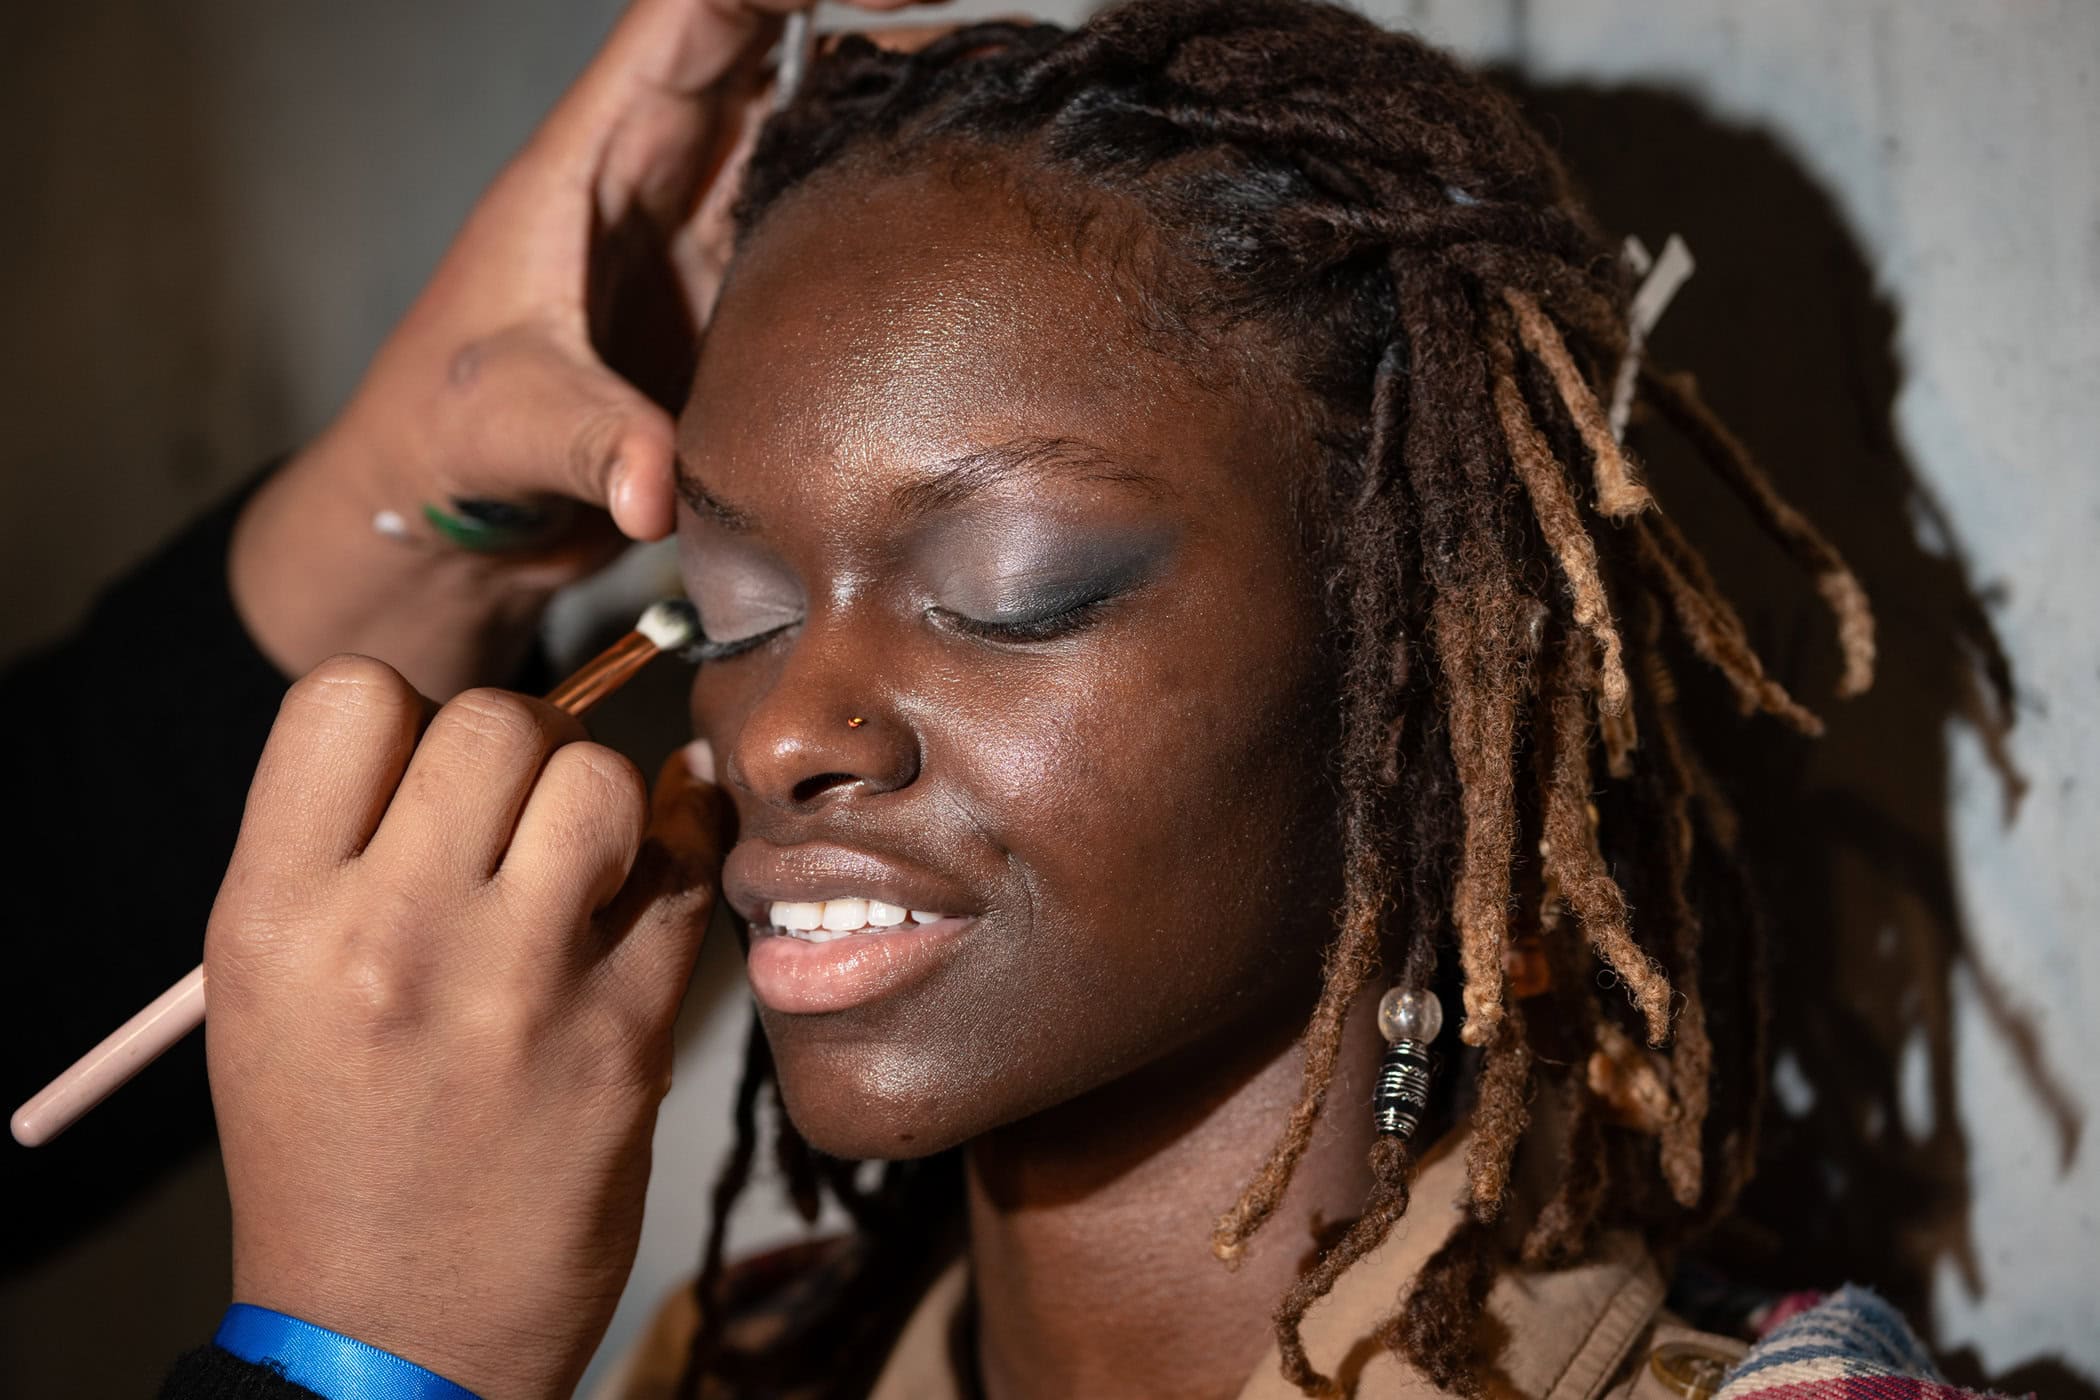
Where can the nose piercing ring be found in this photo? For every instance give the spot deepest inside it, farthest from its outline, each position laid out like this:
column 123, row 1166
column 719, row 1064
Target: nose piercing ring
column 855, row 723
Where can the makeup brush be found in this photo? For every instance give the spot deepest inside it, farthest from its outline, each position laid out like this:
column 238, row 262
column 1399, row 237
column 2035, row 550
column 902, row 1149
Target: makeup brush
column 671, row 625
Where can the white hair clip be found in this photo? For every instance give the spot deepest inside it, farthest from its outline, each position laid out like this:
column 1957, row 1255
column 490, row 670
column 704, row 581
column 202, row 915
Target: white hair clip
column 1660, row 279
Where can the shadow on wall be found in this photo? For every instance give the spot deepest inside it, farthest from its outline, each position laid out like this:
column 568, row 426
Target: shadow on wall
column 1794, row 348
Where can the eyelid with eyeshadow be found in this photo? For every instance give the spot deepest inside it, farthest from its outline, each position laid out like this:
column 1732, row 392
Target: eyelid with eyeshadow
column 1040, row 628
column 725, row 626
column 740, row 599
column 995, row 585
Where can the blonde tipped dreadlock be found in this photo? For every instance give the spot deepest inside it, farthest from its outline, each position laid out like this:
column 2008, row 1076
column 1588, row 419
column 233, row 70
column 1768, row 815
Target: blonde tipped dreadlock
column 1569, row 849
column 1675, row 395
column 1619, row 490
column 1350, row 214
column 1560, row 520
column 1710, row 624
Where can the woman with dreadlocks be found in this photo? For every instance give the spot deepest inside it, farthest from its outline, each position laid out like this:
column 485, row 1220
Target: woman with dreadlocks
column 1231, row 904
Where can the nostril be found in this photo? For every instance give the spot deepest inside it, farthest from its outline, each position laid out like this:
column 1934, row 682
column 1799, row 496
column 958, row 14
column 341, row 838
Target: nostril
column 810, row 789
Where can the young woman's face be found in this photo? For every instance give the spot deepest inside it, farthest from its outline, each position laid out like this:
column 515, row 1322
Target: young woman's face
column 1036, row 647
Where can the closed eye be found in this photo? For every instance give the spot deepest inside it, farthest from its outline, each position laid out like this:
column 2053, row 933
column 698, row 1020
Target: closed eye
column 1041, row 628
column 723, row 651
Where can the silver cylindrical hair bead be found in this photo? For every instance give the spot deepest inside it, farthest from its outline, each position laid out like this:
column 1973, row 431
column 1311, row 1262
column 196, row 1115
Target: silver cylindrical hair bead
column 1402, row 1096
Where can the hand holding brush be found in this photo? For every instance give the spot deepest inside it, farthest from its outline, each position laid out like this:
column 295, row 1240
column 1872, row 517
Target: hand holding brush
column 443, row 970
column 667, row 626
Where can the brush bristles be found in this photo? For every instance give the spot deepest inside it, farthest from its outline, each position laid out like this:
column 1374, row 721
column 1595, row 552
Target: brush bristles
column 670, row 625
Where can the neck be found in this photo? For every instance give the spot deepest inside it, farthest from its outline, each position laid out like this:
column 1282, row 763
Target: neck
column 1090, row 1224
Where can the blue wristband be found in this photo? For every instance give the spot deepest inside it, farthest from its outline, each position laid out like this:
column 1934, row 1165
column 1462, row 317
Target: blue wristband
column 328, row 1363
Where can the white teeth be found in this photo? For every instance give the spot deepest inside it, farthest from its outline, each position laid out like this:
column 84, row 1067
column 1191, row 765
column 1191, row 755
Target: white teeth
column 797, row 916
column 845, row 915
column 820, row 921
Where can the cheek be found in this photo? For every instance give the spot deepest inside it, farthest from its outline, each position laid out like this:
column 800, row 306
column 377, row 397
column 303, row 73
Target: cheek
column 1164, row 810
column 1126, row 792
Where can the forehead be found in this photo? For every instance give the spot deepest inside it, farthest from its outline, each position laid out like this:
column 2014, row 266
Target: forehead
column 916, row 316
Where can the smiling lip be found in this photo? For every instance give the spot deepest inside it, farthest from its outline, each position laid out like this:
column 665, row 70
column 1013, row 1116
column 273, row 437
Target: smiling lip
column 798, row 977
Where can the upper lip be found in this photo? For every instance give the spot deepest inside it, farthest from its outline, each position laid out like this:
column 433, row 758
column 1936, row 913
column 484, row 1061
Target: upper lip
column 758, row 873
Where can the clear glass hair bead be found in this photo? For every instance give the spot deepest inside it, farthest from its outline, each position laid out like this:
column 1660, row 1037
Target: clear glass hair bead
column 1410, row 1013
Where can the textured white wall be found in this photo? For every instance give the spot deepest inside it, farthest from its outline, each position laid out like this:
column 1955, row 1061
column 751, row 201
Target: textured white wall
column 218, row 208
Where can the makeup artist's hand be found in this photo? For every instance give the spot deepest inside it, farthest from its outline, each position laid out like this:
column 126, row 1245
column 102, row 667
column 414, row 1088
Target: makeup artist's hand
column 538, row 365
column 442, row 978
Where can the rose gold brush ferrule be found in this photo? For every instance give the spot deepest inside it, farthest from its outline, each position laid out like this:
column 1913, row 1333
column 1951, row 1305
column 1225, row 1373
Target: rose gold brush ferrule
column 671, row 625
column 603, row 674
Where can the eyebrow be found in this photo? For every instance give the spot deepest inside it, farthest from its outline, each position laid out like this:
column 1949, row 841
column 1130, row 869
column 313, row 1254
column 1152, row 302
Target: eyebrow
column 949, row 483
column 704, row 502
column 956, row 480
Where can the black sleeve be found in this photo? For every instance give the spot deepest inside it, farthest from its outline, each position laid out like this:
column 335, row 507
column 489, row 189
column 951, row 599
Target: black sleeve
column 129, row 746
column 211, row 1374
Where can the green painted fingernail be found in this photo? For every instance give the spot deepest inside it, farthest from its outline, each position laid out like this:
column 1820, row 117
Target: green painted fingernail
column 491, row 527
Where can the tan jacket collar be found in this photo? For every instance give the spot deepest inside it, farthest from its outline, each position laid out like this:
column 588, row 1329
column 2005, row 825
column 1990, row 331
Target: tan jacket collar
column 1563, row 1333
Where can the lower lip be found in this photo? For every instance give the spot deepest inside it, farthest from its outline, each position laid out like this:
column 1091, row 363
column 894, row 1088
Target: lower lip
column 799, row 978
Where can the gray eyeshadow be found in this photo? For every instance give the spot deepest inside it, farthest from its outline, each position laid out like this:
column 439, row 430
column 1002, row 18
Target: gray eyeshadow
column 1025, row 572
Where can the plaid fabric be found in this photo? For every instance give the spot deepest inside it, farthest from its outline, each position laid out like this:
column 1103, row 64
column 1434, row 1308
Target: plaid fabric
column 1850, row 1346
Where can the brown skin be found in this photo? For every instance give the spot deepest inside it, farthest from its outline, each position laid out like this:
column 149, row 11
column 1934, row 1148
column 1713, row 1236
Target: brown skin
column 1134, row 809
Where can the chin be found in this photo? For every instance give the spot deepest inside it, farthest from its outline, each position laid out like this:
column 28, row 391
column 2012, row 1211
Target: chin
column 876, row 1100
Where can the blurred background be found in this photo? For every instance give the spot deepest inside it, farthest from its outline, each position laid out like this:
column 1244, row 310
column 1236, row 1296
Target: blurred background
column 216, row 210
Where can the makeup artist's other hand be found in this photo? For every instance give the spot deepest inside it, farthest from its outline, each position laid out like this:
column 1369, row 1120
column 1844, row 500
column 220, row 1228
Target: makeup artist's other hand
column 443, row 976
column 540, row 363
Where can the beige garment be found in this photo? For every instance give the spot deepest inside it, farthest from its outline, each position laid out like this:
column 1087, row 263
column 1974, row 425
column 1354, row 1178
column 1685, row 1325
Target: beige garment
column 1590, row 1332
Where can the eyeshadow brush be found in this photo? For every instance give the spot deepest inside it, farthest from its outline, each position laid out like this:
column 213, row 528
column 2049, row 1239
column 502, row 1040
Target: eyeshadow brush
column 671, row 625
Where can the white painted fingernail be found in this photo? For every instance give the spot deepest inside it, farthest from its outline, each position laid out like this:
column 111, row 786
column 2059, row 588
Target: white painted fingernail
column 700, row 760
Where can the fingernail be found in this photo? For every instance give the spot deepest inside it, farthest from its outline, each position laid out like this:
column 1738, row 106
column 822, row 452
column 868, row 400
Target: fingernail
column 616, row 486
column 492, row 526
column 700, row 760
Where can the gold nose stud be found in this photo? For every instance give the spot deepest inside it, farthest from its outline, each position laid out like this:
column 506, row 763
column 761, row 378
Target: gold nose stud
column 855, row 723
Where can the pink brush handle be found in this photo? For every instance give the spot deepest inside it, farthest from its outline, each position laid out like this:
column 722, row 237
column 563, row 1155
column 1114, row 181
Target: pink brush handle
column 106, row 1068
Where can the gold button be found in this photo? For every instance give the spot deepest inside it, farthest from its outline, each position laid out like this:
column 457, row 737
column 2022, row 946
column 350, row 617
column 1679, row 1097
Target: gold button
column 1689, row 1369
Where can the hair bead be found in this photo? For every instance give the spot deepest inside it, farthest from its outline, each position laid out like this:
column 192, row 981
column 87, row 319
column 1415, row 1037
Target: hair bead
column 1402, row 1097
column 1409, row 1018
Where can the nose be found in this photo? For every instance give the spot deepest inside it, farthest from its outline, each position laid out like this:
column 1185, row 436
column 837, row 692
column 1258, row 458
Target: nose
column 824, row 731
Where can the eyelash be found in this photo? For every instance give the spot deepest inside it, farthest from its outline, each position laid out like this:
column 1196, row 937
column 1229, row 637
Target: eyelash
column 1038, row 629
column 723, row 651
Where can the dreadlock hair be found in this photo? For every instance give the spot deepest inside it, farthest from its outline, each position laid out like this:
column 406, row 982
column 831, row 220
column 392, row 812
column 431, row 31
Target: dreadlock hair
column 1350, row 212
